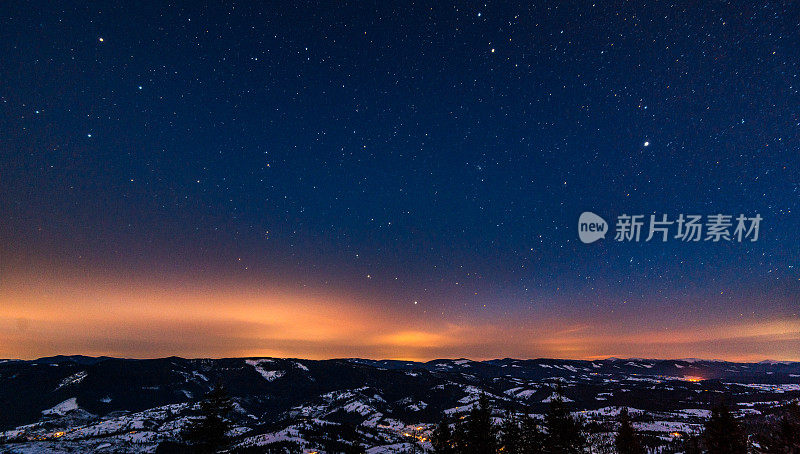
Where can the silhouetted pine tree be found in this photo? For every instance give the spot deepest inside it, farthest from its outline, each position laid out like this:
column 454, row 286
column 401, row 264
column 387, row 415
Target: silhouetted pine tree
column 627, row 440
column 565, row 433
column 511, row 435
column 460, row 437
column 723, row 434
column 532, row 441
column 442, row 439
column 208, row 433
column 692, row 443
column 480, row 432
column 782, row 436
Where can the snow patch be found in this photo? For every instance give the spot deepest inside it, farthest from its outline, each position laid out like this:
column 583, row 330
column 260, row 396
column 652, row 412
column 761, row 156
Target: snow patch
column 63, row 408
column 269, row 375
column 556, row 396
column 73, row 379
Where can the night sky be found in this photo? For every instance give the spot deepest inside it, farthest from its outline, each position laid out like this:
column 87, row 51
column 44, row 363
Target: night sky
column 396, row 181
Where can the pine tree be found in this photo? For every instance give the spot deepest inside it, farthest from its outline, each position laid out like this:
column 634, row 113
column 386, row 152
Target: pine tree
column 208, row 433
column 460, row 438
column 520, row 435
column 788, row 433
column 627, row 440
column 532, row 441
column 723, row 434
column 692, row 443
column 442, row 439
column 783, row 435
column 565, row 434
column 511, row 436
column 480, row 430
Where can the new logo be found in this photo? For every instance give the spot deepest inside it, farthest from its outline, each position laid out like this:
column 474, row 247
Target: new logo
column 591, row 227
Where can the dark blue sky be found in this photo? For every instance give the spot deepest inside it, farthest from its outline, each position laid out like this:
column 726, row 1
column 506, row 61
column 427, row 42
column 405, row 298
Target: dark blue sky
column 416, row 152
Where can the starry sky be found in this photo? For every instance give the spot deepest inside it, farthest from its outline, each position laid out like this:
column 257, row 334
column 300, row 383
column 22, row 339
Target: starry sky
column 392, row 180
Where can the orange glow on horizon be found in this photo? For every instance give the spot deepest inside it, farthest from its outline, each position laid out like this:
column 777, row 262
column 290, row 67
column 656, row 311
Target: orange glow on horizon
column 139, row 319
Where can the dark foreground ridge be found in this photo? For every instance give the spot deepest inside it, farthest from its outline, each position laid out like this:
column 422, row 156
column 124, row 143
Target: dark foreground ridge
column 83, row 403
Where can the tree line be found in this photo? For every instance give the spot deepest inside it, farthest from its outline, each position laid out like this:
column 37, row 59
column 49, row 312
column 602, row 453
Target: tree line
column 558, row 431
column 561, row 432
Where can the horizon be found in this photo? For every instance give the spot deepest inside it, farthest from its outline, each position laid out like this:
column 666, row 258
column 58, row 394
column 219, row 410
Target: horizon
column 98, row 315
column 684, row 360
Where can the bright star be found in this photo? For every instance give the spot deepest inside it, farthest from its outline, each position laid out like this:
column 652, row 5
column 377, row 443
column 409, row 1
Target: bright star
column 647, row 144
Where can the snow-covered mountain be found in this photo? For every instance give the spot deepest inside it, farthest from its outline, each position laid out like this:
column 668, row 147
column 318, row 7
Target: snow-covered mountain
column 101, row 404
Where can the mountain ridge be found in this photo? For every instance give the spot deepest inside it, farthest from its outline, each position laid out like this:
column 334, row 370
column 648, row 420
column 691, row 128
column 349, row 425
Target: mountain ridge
column 81, row 401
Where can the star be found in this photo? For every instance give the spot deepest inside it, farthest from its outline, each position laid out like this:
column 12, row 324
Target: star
column 646, row 143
